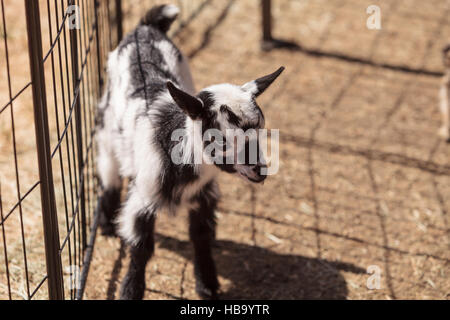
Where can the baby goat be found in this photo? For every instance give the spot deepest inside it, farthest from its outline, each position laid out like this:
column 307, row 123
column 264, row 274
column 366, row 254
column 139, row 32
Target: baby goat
column 149, row 95
column 445, row 97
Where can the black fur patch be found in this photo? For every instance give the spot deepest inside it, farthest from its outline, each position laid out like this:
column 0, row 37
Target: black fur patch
column 209, row 117
column 109, row 207
column 207, row 98
column 156, row 18
column 232, row 117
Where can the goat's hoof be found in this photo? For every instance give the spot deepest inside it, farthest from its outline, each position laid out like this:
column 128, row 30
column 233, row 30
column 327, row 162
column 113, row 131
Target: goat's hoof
column 205, row 293
column 132, row 289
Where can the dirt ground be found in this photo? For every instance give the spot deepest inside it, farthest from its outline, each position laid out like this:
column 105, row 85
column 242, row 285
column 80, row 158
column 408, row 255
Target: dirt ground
column 363, row 180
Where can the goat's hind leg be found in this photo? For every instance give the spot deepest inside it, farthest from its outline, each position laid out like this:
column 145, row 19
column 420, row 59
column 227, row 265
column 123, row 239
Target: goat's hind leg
column 202, row 232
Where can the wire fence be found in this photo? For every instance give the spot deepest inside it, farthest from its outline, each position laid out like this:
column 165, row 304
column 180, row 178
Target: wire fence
column 48, row 186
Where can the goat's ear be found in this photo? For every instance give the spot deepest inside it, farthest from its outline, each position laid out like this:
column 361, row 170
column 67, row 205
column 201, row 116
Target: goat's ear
column 192, row 106
column 258, row 86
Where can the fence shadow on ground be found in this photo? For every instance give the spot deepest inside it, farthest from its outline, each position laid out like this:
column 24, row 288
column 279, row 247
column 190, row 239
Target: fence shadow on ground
column 258, row 273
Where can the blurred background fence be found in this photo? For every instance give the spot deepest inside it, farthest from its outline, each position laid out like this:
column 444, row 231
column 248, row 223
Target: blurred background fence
column 48, row 185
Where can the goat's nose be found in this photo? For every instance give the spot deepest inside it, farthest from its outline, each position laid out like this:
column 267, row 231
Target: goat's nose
column 259, row 167
column 259, row 176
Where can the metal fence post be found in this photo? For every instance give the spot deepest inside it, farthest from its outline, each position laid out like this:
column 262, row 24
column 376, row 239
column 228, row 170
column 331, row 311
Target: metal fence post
column 79, row 131
column 49, row 213
column 99, row 54
column 119, row 20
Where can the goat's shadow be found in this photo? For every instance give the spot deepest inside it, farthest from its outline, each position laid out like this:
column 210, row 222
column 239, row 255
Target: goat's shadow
column 258, row 273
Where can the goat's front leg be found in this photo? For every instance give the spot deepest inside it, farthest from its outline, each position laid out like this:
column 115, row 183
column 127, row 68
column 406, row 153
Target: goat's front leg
column 202, row 226
column 137, row 225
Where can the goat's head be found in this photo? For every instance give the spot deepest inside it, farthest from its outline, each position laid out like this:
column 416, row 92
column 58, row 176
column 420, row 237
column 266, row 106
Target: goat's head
column 230, row 120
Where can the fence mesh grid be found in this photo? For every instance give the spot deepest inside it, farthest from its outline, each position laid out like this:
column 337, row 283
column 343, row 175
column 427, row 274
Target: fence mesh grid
column 76, row 37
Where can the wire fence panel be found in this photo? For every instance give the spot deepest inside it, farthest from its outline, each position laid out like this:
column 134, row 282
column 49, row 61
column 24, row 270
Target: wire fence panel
column 52, row 66
column 66, row 54
column 19, row 184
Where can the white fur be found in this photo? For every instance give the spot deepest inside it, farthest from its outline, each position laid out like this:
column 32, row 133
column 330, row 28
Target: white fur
column 181, row 69
column 108, row 167
column 126, row 221
column 251, row 87
column 238, row 100
column 170, row 55
column 171, row 11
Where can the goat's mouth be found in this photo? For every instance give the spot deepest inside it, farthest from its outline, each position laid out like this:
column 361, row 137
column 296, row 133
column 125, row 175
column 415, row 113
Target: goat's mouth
column 258, row 179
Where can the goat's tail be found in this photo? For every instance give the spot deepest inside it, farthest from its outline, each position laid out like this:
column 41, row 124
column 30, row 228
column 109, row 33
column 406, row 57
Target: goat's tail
column 161, row 17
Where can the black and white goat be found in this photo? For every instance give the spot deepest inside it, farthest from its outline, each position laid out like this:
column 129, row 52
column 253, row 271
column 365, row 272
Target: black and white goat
column 150, row 94
column 445, row 96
